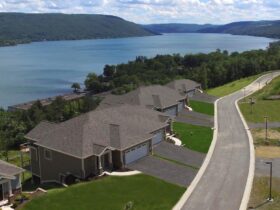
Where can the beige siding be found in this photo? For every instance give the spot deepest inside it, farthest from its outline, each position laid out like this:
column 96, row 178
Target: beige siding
column 59, row 164
column 91, row 167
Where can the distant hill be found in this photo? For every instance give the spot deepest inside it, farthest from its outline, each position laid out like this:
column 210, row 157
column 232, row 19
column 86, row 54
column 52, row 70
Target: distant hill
column 269, row 29
column 254, row 28
column 18, row 28
column 176, row 27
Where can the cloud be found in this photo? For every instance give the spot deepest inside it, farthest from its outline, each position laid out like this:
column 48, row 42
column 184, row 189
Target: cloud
column 156, row 11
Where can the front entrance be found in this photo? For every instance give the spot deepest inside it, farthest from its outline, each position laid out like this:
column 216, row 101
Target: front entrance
column 1, row 192
column 106, row 161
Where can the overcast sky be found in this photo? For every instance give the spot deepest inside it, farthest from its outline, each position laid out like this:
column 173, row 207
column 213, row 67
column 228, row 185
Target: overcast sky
column 156, row 11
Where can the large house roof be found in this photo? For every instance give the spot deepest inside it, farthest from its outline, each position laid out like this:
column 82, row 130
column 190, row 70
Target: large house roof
column 8, row 170
column 89, row 134
column 154, row 96
column 183, row 85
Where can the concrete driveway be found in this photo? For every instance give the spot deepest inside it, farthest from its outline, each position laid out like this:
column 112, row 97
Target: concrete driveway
column 223, row 183
column 180, row 154
column 163, row 169
column 263, row 169
column 195, row 118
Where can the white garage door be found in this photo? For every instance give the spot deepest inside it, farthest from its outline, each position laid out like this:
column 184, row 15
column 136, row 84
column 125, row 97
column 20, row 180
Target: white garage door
column 180, row 106
column 158, row 137
column 171, row 111
column 136, row 153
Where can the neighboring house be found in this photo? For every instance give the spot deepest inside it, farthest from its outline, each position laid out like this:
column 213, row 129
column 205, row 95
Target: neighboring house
column 184, row 87
column 91, row 143
column 10, row 183
column 155, row 97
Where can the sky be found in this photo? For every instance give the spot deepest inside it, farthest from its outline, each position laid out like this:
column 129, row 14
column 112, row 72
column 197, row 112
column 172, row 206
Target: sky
column 156, row 11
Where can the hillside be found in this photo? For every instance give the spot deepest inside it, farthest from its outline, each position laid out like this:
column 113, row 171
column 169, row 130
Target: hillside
column 254, row 28
column 176, row 27
column 16, row 28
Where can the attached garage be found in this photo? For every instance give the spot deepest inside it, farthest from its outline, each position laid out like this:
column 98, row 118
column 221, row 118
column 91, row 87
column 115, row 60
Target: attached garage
column 171, row 111
column 180, row 106
column 136, row 153
column 158, row 137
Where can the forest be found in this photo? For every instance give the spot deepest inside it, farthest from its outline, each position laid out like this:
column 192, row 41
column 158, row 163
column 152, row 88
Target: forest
column 211, row 70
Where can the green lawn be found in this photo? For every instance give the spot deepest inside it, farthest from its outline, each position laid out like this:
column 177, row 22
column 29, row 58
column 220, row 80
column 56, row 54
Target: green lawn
column 232, row 86
column 202, row 107
column 112, row 193
column 262, row 107
column 197, row 138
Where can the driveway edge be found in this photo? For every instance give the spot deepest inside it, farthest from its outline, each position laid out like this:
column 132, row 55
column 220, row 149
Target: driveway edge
column 202, row 169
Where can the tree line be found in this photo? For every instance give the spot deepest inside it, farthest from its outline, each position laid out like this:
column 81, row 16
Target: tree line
column 14, row 125
column 211, row 70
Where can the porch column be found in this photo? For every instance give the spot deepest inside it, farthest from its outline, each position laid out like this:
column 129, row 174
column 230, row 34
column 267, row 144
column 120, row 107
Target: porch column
column 10, row 188
column 99, row 164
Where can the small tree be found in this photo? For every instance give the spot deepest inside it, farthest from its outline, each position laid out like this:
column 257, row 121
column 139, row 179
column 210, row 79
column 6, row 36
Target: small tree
column 76, row 86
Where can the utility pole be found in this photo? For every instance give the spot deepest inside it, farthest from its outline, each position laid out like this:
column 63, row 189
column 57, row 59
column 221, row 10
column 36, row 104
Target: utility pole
column 270, row 182
column 265, row 117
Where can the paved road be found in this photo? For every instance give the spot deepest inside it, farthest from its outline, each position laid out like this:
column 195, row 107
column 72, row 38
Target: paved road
column 223, row 183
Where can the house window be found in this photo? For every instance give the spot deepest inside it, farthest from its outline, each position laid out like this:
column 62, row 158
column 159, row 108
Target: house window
column 48, row 154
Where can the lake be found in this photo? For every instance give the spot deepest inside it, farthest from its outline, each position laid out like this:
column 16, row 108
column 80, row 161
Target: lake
column 43, row 69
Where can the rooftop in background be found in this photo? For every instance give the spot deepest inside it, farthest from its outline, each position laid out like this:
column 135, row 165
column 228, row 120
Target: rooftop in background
column 184, row 85
column 118, row 127
column 8, row 170
column 47, row 101
column 154, row 96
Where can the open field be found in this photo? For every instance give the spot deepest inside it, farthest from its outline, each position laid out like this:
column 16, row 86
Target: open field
column 232, row 86
column 202, row 107
column 142, row 191
column 197, row 138
column 267, row 151
column 262, row 107
column 273, row 136
column 260, row 191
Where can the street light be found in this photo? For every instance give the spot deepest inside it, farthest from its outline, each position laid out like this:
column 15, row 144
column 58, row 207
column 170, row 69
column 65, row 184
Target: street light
column 265, row 117
column 270, row 182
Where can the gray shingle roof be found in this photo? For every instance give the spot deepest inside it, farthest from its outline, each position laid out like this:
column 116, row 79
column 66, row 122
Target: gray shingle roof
column 149, row 96
column 8, row 170
column 119, row 127
column 183, row 85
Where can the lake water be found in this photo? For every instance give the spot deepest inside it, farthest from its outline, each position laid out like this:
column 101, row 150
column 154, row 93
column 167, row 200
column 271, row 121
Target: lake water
column 44, row 69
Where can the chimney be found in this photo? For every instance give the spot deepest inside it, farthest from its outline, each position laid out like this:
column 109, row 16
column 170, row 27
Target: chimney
column 115, row 138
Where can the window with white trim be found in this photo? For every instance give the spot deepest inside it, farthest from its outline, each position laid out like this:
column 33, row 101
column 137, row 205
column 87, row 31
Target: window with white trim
column 48, row 154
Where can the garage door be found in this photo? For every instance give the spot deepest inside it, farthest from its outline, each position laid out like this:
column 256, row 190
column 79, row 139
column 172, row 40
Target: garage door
column 171, row 111
column 136, row 153
column 158, row 137
column 180, row 106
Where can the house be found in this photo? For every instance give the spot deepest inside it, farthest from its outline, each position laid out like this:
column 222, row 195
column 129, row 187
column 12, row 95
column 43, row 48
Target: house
column 10, row 182
column 155, row 97
column 87, row 145
column 184, row 87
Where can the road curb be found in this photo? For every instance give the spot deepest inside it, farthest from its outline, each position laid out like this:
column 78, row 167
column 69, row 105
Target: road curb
column 202, row 169
column 251, row 173
column 250, row 178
